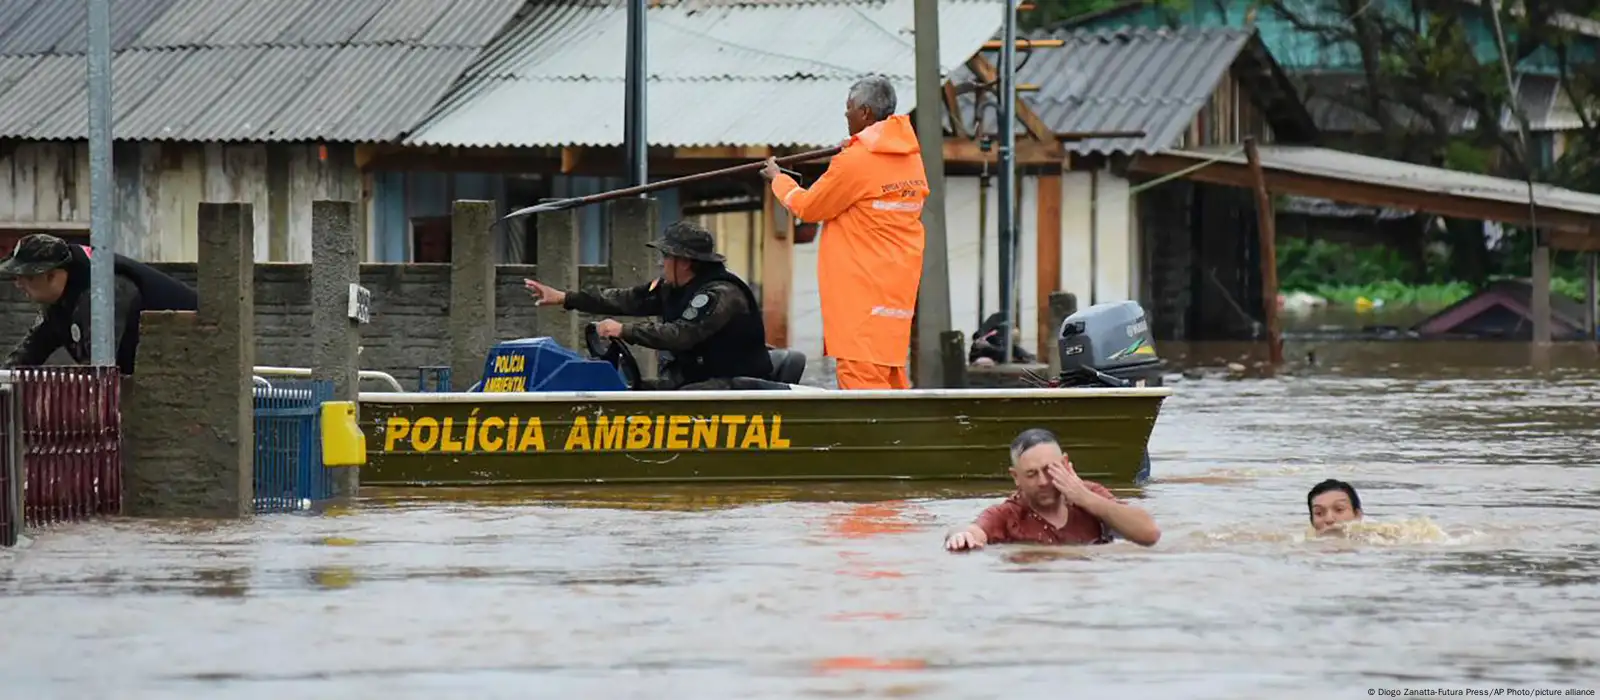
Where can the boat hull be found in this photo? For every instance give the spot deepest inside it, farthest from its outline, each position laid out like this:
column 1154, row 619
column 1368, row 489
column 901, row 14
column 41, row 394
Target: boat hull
column 461, row 439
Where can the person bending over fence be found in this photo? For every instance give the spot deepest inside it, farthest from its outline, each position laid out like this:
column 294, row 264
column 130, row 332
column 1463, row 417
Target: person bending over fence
column 55, row 275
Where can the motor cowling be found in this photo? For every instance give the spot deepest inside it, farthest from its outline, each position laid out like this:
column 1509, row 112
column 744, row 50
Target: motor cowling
column 1108, row 345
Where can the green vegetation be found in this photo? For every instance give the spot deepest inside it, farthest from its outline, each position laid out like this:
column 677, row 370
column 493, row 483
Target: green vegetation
column 1344, row 273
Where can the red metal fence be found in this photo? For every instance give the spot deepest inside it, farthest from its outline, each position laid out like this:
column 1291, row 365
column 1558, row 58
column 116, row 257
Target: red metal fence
column 60, row 446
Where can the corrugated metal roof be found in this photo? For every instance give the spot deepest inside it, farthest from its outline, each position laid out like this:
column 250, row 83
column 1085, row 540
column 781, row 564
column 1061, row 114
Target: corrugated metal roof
column 44, row 25
column 1336, row 101
column 471, row 23
column 1354, row 167
column 243, row 70
column 1150, row 80
column 746, row 72
column 252, row 24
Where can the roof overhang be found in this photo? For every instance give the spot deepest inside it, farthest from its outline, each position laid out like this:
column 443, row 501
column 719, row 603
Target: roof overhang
column 1571, row 218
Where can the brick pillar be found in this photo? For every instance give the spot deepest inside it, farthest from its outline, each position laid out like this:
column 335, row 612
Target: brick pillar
column 472, row 299
column 188, row 417
column 334, row 267
column 557, row 266
column 635, row 222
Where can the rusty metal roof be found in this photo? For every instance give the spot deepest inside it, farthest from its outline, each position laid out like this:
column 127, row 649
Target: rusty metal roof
column 721, row 73
column 1131, row 79
column 242, row 70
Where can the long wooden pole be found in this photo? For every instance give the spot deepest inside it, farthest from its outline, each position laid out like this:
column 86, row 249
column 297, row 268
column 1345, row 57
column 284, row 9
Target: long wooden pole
column 1266, row 217
column 562, row 204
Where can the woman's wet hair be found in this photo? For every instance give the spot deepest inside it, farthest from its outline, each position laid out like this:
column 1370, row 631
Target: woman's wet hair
column 1332, row 485
column 1029, row 439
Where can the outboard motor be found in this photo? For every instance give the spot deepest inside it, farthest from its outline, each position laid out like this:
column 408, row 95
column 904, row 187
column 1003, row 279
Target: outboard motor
column 1109, row 345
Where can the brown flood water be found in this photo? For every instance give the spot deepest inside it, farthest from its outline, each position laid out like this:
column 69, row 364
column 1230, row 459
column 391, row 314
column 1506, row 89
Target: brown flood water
column 1484, row 570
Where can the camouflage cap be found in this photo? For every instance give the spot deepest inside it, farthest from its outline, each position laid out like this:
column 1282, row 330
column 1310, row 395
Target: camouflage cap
column 686, row 240
column 36, row 255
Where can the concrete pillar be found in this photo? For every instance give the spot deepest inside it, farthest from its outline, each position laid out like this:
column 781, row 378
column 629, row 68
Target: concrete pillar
column 556, row 255
column 472, row 280
column 334, row 267
column 188, row 418
column 634, row 222
column 1541, row 290
column 1062, row 305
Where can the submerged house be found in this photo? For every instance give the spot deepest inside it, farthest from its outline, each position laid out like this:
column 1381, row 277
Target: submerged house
column 1503, row 310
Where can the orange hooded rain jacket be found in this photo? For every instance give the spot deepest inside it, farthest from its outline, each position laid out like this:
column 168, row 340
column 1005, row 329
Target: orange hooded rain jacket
column 869, row 261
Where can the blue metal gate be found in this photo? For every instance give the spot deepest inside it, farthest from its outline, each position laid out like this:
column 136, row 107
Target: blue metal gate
column 288, row 473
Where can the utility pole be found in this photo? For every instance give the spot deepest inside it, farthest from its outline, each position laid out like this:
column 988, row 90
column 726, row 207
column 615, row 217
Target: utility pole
column 634, row 132
column 933, row 299
column 1007, row 239
column 102, row 234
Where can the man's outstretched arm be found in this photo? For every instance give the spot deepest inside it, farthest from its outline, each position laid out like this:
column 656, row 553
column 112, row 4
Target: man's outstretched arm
column 639, row 300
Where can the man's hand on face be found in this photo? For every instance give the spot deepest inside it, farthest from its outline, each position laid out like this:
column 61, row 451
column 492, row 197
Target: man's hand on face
column 608, row 328
column 1066, row 480
column 544, row 294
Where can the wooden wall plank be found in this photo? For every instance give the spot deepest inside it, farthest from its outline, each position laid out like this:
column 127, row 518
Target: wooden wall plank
column 1048, row 259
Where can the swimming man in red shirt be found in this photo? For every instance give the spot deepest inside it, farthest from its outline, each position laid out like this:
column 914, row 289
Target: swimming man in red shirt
column 1052, row 505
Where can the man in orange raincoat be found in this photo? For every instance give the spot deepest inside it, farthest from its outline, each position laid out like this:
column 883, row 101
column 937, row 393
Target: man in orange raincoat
column 869, row 263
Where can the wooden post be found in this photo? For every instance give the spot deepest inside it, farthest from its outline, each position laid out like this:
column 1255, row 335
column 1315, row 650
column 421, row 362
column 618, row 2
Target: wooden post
column 777, row 268
column 1591, row 297
column 1541, row 289
column 1266, row 217
column 1061, row 305
column 1047, row 279
column 952, row 347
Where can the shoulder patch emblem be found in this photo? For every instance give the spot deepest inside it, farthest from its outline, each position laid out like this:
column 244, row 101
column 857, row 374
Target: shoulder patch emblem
column 690, row 313
column 77, row 334
column 700, row 300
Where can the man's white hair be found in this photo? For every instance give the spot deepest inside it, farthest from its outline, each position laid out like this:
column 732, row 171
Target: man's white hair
column 876, row 93
column 1029, row 439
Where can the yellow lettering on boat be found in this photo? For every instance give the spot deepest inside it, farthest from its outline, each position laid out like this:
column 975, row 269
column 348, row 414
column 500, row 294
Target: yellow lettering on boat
column 532, row 436
column 394, row 430
column 501, row 385
column 479, row 434
column 639, row 432
column 578, row 437
column 608, row 433
column 448, row 443
column 678, row 432
column 705, row 433
column 507, row 364
column 733, row 423
column 756, row 435
column 777, row 441
column 491, row 433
